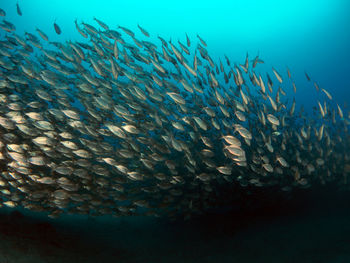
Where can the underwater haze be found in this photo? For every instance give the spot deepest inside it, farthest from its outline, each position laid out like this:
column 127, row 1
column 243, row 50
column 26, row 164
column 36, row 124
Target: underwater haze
column 174, row 131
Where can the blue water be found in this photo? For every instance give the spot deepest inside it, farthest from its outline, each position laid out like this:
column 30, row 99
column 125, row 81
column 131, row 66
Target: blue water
column 311, row 36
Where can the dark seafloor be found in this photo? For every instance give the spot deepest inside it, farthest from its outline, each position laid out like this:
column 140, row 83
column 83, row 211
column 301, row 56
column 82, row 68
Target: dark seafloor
column 312, row 226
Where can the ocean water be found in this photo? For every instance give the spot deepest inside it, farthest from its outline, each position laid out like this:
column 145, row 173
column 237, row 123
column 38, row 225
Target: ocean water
column 306, row 225
column 311, row 36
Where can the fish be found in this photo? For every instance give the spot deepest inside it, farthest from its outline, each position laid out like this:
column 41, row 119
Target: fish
column 273, row 103
column 42, row 34
column 257, row 60
column 101, row 24
column 340, row 112
column 120, row 126
column 321, row 109
column 261, row 84
column 127, row 31
column 278, row 76
column 176, row 97
column 143, row 31
column 57, row 28
column 81, row 32
column 232, row 140
column 307, row 76
column 202, row 41
column 327, row 94
column 227, row 60
column 18, row 9
column 188, row 41
column 272, row 119
column 2, row 12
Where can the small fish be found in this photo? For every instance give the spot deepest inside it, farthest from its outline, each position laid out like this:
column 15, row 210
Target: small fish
column 321, row 109
column 188, row 41
column 102, row 24
column 316, row 86
column 340, row 112
column 81, row 32
column 19, row 12
column 256, row 60
column 227, row 60
column 143, row 30
column 246, row 64
column 292, row 109
column 176, row 97
column 225, row 170
column 278, row 76
column 282, row 161
column 307, row 77
column 272, row 119
column 185, row 49
column 327, row 94
column 146, row 115
column 42, row 34
column 2, row 12
column 268, row 167
column 262, row 85
column 127, row 31
column 57, row 28
column 202, row 41
column 273, row 103
column 232, row 140
column 288, row 72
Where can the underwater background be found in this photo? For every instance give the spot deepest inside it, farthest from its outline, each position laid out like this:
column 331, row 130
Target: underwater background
column 311, row 36
column 311, row 225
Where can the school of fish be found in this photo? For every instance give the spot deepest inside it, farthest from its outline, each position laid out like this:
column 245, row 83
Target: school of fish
column 120, row 125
